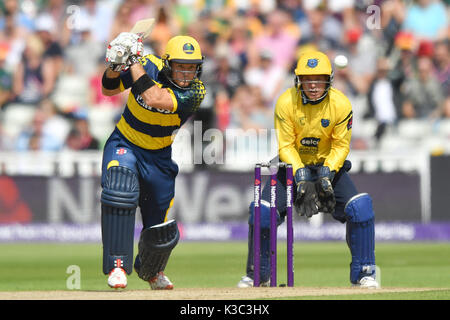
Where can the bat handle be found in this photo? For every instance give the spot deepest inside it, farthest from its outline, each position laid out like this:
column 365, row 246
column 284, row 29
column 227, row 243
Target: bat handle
column 120, row 51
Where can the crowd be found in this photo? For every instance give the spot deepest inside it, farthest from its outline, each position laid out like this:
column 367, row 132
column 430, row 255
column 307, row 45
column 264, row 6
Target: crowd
column 52, row 60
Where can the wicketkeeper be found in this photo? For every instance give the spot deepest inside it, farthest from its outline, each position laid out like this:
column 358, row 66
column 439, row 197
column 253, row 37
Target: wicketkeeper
column 314, row 122
column 137, row 168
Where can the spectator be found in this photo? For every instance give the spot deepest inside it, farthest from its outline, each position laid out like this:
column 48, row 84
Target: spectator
column 57, row 9
column 442, row 72
column 83, row 56
column 321, row 30
column 15, row 38
column 426, row 19
column 35, row 138
column 143, row 9
column 80, row 137
column 228, row 76
column 163, row 30
column 6, row 141
column 425, row 49
column 222, row 110
column 446, row 108
column 403, row 61
column 34, row 77
column 392, row 17
column 381, row 98
column 122, row 21
column 232, row 36
column 100, row 16
column 46, row 30
column 11, row 8
column 359, row 73
column 240, row 37
column 5, row 76
column 423, row 95
column 56, row 124
column 277, row 40
column 294, row 8
column 248, row 110
column 441, row 58
column 268, row 77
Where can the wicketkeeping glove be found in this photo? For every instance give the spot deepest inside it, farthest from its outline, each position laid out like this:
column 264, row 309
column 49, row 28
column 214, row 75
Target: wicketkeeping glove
column 306, row 200
column 327, row 200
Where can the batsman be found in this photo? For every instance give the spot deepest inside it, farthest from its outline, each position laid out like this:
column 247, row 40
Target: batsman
column 137, row 168
column 314, row 124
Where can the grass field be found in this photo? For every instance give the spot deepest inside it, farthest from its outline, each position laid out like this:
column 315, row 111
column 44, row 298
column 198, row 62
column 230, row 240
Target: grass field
column 43, row 267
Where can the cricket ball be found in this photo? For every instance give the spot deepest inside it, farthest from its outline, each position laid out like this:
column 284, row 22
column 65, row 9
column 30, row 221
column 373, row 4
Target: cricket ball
column 340, row 61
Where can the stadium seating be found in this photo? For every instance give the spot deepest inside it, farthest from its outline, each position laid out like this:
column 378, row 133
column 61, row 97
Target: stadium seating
column 16, row 117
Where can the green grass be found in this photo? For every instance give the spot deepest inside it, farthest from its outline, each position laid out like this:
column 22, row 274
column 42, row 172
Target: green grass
column 421, row 295
column 38, row 266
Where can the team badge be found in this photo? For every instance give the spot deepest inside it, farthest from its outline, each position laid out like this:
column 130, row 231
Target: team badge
column 121, row 151
column 312, row 63
column 325, row 122
column 188, row 48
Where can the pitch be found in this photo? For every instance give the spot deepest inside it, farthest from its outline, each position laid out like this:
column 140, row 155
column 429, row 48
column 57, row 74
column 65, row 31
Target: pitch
column 211, row 271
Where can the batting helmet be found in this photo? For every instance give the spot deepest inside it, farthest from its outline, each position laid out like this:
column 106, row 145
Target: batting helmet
column 182, row 49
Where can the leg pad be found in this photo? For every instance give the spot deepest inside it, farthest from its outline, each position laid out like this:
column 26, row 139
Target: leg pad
column 155, row 246
column 361, row 236
column 119, row 201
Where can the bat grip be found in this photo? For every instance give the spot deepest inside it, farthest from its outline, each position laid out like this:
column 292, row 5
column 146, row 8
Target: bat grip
column 120, row 51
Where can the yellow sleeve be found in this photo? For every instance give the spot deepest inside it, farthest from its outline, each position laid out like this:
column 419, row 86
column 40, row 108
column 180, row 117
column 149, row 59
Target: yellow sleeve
column 284, row 126
column 340, row 139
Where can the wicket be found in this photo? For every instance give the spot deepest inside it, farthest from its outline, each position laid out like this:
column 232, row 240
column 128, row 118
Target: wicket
column 273, row 223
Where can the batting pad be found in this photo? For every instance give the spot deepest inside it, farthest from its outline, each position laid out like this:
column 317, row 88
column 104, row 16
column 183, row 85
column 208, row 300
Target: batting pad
column 119, row 201
column 155, row 246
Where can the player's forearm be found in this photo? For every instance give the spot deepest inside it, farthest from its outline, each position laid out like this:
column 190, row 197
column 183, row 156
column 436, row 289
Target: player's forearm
column 152, row 95
column 110, row 82
column 112, row 74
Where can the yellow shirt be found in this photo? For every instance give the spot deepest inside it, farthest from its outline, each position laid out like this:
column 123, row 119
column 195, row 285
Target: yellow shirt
column 313, row 134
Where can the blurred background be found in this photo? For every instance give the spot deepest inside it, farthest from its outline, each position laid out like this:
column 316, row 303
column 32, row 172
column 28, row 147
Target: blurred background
column 54, row 120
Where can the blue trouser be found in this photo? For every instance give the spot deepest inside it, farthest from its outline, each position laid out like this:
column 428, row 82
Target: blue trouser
column 154, row 173
column 360, row 227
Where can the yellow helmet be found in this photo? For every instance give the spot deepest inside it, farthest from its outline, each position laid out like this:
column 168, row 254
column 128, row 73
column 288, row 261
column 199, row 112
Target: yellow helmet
column 183, row 49
column 313, row 63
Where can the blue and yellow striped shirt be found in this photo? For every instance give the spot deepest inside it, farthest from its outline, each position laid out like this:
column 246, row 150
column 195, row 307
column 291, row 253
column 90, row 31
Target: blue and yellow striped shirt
column 152, row 128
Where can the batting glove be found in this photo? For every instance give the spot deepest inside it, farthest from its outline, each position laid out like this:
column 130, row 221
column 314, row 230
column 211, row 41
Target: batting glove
column 124, row 45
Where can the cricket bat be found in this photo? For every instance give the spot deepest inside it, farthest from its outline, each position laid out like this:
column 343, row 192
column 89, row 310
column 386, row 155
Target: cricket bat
column 142, row 28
